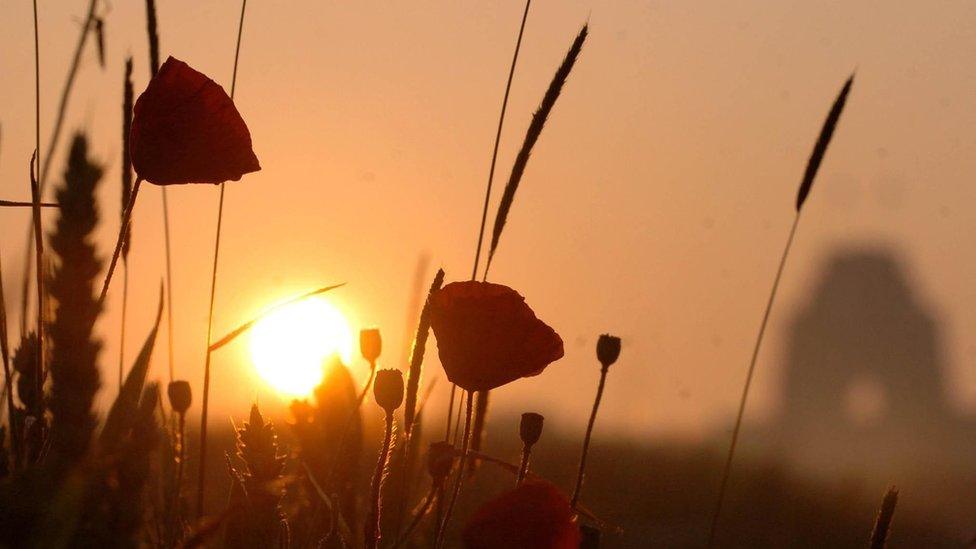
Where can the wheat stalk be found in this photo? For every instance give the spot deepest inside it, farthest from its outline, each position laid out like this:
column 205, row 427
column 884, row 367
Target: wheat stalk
column 813, row 165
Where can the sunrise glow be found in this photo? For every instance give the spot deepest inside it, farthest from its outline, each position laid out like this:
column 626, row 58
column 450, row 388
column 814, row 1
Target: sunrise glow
column 289, row 346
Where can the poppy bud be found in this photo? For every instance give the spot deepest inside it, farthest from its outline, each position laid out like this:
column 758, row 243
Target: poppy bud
column 440, row 460
column 530, row 428
column 388, row 389
column 179, row 396
column 607, row 349
column 370, row 344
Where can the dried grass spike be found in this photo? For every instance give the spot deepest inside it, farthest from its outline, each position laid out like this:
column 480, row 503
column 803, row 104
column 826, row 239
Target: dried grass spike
column 820, row 148
column 531, row 136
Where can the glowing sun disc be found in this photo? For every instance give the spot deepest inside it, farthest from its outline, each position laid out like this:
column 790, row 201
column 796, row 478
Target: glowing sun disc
column 290, row 345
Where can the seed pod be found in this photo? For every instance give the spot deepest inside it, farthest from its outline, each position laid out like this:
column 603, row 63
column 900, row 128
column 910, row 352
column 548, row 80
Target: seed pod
column 370, row 343
column 440, row 460
column 180, row 396
column 530, row 428
column 607, row 349
column 388, row 389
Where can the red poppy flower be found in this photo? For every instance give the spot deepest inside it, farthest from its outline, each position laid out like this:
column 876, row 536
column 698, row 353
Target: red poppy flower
column 535, row 515
column 487, row 336
column 185, row 129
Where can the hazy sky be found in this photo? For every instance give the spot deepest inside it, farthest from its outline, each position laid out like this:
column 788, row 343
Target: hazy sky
column 655, row 205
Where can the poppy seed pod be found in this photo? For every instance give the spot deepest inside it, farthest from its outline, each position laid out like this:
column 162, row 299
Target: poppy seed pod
column 370, row 344
column 388, row 389
column 440, row 460
column 607, row 349
column 530, row 428
column 179, row 396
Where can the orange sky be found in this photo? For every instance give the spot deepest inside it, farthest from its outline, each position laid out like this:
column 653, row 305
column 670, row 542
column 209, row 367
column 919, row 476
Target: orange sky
column 655, row 205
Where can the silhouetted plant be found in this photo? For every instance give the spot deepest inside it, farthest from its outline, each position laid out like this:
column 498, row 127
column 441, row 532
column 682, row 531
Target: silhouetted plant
column 607, row 351
column 74, row 351
column 257, row 521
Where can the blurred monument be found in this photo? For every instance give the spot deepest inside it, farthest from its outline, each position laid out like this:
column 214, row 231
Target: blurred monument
column 864, row 380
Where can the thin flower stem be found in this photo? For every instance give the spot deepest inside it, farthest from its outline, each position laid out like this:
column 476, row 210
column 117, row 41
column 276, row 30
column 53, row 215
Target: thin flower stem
column 202, row 475
column 450, row 413
column 372, row 527
column 745, row 390
column 181, row 456
column 418, row 515
column 586, row 440
column 459, row 480
column 126, row 218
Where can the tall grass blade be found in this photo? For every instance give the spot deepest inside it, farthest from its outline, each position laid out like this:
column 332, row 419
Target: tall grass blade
column 123, row 412
column 815, row 159
column 531, row 136
column 202, row 472
column 250, row 323
column 86, row 28
column 820, row 148
column 882, row 524
column 127, row 98
column 39, row 257
column 498, row 138
column 417, row 357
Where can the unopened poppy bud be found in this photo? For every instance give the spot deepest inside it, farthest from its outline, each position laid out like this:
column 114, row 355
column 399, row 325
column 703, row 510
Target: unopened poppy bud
column 440, row 460
column 607, row 349
column 530, row 428
column 388, row 389
column 370, row 344
column 179, row 396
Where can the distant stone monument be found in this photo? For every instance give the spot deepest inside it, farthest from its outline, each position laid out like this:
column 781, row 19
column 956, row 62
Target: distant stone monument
column 863, row 380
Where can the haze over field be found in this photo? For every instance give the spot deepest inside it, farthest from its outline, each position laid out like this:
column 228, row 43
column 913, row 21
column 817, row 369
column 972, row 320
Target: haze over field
column 655, row 205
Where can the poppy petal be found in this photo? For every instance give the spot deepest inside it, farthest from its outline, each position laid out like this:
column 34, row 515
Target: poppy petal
column 185, row 129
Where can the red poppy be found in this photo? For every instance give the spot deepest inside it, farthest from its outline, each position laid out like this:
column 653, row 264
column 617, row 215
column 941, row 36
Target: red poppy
column 487, row 336
column 185, row 129
column 535, row 515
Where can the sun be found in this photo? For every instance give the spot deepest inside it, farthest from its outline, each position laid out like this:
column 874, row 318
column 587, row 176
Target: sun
column 289, row 345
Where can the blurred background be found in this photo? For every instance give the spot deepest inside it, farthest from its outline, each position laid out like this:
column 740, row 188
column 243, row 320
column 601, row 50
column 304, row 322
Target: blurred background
column 655, row 207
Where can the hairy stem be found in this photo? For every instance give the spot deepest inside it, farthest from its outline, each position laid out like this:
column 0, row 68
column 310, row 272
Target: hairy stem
column 372, row 527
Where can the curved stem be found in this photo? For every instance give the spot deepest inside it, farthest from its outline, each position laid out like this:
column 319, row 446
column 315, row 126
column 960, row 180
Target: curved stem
column 745, row 390
column 586, row 440
column 418, row 516
column 372, row 526
column 498, row 137
column 123, row 231
column 459, row 480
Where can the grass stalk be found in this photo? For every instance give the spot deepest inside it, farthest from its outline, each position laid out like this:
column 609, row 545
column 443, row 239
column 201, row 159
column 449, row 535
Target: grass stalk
column 531, row 137
column 882, row 524
column 806, row 184
column 39, row 255
column 87, row 27
column 127, row 99
column 201, row 477
column 152, row 32
column 123, row 230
